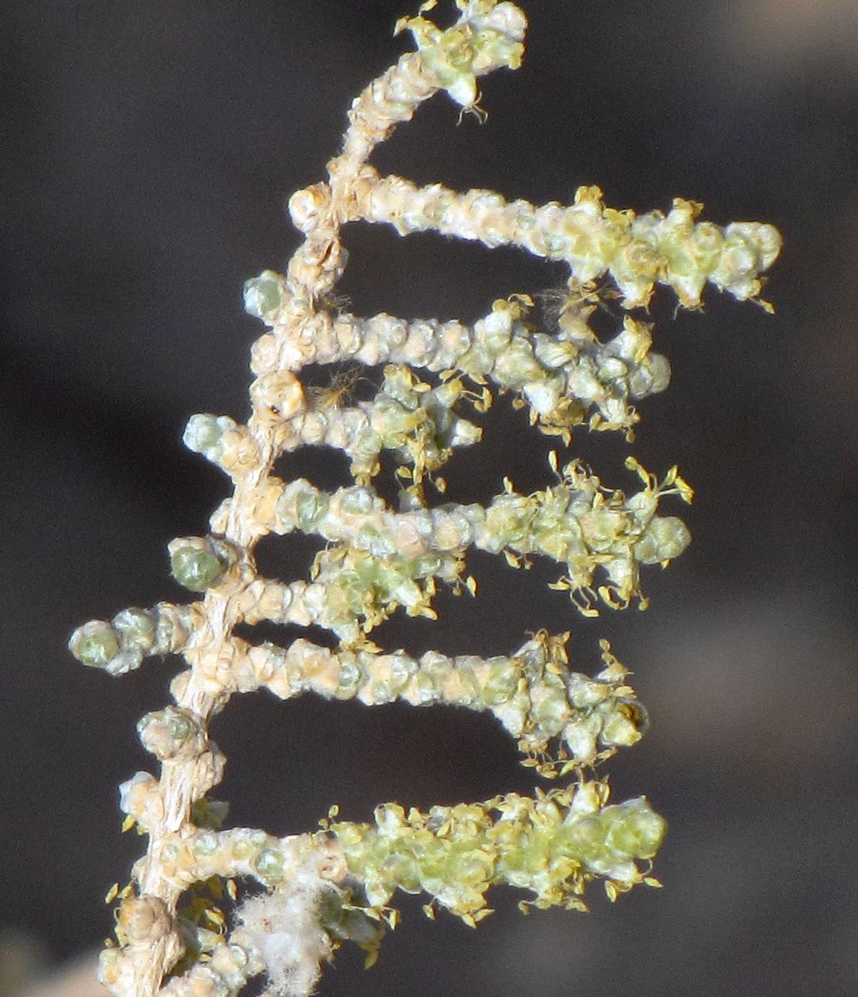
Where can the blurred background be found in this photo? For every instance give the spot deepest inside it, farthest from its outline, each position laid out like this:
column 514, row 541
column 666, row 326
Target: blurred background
column 148, row 151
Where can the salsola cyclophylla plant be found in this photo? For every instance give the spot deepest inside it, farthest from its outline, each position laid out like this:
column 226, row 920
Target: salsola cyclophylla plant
column 175, row 932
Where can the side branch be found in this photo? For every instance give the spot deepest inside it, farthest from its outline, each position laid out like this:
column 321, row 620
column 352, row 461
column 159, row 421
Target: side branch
column 553, row 845
column 593, row 240
column 565, row 376
column 383, row 559
column 532, row 692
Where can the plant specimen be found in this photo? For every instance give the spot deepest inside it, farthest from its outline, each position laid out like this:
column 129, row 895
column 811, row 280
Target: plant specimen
column 175, row 932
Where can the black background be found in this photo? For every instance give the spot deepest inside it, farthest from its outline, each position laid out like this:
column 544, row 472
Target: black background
column 148, row 149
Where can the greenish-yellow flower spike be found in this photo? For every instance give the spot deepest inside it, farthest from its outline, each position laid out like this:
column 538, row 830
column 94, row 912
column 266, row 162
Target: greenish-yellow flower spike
column 552, row 845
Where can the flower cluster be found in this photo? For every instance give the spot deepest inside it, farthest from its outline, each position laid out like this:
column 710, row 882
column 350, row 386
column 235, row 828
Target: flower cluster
column 175, row 934
column 551, row 845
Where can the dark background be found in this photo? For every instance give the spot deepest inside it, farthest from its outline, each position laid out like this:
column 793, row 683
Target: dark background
column 148, row 149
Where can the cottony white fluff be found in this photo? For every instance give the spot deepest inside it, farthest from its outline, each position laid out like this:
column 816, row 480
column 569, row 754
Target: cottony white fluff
column 284, row 926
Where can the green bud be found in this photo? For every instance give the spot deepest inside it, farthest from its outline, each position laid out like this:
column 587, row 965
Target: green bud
column 517, row 365
column 205, row 844
column 137, row 628
column 196, row 569
column 404, row 871
column 626, row 724
column 584, row 840
column 502, row 682
column 310, row 508
column 95, row 644
column 202, row 433
column 351, row 677
column 427, row 687
column 179, row 727
column 167, row 733
column 635, row 830
column 704, row 247
column 269, row 865
column 665, row 538
column 470, row 866
column 262, row 294
column 357, row 500
column 551, row 712
column 402, row 669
